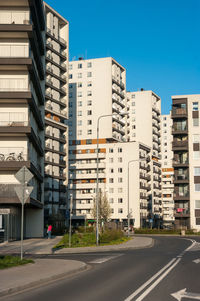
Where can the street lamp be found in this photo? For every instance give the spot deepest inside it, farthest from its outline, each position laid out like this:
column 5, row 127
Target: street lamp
column 97, row 183
column 128, row 214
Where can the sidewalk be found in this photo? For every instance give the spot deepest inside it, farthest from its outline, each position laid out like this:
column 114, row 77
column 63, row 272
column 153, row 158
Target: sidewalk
column 44, row 270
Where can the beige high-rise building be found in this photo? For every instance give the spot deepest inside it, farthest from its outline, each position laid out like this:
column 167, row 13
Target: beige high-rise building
column 144, row 122
column 167, row 171
column 56, row 114
column 22, row 86
column 186, row 160
column 97, row 88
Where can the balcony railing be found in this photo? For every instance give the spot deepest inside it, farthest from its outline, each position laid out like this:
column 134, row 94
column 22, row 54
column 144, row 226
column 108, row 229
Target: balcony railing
column 181, row 143
column 12, row 18
column 179, row 111
column 13, row 154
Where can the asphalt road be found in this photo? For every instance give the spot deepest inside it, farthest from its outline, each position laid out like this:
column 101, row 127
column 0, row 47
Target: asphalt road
column 154, row 274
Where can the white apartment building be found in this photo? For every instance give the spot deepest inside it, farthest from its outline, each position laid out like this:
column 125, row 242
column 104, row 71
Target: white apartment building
column 186, row 160
column 144, row 121
column 22, row 74
column 167, row 171
column 56, row 114
column 97, row 88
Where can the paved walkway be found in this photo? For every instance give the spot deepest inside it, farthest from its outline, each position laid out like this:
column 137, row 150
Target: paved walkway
column 44, row 270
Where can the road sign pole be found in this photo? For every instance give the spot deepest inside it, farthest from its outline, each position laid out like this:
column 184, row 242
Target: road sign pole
column 22, row 218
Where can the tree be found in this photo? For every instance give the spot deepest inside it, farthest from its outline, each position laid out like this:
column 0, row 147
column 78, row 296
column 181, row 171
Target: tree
column 104, row 208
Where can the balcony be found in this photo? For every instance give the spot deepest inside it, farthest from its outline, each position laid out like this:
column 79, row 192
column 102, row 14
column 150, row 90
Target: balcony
column 181, row 178
column 180, row 162
column 120, row 93
column 119, row 102
column 118, row 82
column 179, row 129
column 179, row 113
column 58, row 39
column 179, row 145
column 13, row 158
column 181, row 196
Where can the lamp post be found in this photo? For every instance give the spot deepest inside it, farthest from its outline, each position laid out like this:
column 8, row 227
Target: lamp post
column 128, row 209
column 97, row 183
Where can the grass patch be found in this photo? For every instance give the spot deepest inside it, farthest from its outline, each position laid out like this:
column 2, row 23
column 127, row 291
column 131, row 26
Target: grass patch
column 108, row 237
column 12, row 261
column 164, row 231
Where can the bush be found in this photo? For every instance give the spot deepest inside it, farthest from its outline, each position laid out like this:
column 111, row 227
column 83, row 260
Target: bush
column 110, row 235
column 83, row 229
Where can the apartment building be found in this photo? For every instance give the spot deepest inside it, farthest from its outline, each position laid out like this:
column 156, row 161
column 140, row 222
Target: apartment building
column 167, row 171
column 97, row 89
column 56, row 114
column 186, row 160
column 22, row 86
column 144, row 124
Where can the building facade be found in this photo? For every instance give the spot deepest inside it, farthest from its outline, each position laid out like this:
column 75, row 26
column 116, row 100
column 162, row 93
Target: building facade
column 167, row 172
column 97, row 99
column 22, row 86
column 56, row 114
column 144, row 124
column 186, row 160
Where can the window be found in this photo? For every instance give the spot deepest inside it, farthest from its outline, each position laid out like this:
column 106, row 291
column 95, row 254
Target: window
column 89, row 64
column 79, row 75
column 79, row 122
column 111, row 190
column 196, row 138
column 70, row 66
column 89, row 122
column 133, row 111
column 197, row 204
column 112, row 210
column 110, row 160
column 70, row 133
column 111, row 200
column 120, row 200
column 120, row 210
column 120, row 180
column 70, row 76
column 89, row 74
column 111, row 170
column 79, row 66
column 119, row 150
column 79, row 113
column 79, row 132
column 89, row 112
column 89, row 84
column 197, row 187
column 195, row 121
column 120, row 170
column 80, row 85
column 196, row 171
column 88, row 141
column 70, row 104
column 196, row 155
column 89, row 132
column 195, row 106
column 70, row 86
column 133, row 103
column 120, row 190
column 70, row 95
column 89, row 93
column 70, row 123
column 110, row 150
column 79, row 94
column 111, row 180
column 80, row 103
column 133, row 96
column 120, row 159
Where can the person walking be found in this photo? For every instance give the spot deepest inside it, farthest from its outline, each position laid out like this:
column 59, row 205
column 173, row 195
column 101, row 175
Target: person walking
column 49, row 231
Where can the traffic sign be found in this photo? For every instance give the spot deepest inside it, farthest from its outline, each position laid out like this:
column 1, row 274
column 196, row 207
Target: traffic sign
column 23, row 192
column 24, row 175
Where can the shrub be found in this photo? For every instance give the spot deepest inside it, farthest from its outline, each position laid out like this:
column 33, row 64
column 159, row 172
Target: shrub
column 110, row 235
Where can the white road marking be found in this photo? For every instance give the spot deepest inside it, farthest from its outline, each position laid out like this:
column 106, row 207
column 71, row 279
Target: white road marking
column 175, row 261
column 196, row 260
column 183, row 294
column 149, row 281
column 103, row 259
column 158, row 280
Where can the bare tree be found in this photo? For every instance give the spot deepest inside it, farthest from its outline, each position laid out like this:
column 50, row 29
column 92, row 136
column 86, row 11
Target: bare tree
column 104, row 208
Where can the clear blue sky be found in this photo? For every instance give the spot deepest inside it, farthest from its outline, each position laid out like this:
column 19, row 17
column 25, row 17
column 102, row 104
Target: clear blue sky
column 157, row 41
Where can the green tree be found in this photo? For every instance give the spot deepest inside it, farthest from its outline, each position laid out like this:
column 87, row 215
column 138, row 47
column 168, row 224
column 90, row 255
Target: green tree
column 104, row 208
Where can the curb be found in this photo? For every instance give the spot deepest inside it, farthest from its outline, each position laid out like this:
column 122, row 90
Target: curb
column 103, row 249
column 43, row 281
